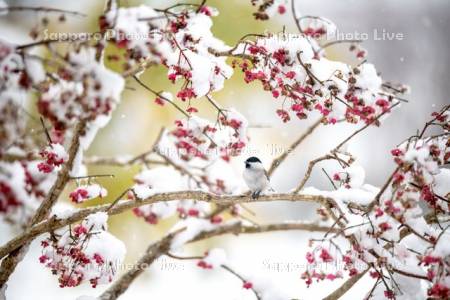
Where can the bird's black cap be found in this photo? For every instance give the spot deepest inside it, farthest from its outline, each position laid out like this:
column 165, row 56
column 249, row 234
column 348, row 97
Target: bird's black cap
column 252, row 160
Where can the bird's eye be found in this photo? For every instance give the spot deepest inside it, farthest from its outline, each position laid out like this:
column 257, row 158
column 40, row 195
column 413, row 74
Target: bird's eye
column 247, row 165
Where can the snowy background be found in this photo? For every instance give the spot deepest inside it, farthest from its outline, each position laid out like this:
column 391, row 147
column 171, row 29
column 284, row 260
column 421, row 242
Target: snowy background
column 420, row 60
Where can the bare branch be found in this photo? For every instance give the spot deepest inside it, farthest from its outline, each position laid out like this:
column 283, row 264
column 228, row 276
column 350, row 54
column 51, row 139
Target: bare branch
column 311, row 165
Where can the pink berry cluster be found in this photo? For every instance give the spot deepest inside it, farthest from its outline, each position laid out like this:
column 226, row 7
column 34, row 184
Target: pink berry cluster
column 317, row 27
column 268, row 8
column 129, row 28
column 198, row 138
column 303, row 80
column 84, row 89
column 8, row 199
column 419, row 171
column 22, row 188
column 181, row 41
column 397, row 215
column 87, row 192
column 80, row 255
column 214, row 258
column 54, row 156
column 438, row 272
column 18, row 76
column 320, row 256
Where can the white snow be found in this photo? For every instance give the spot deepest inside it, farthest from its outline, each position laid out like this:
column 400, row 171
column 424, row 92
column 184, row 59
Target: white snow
column 35, row 69
column 96, row 221
column 216, row 257
column 368, row 78
column 192, row 228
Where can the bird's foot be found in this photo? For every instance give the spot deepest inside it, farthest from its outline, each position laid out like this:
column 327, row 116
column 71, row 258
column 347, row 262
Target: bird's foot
column 255, row 195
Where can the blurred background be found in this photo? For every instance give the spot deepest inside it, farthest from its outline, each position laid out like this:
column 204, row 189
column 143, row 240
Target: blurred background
column 420, row 60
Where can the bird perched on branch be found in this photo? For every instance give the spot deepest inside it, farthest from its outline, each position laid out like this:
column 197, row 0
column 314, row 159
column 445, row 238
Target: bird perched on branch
column 255, row 176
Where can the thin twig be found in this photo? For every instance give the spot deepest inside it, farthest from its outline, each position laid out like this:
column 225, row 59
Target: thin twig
column 296, row 19
column 41, row 9
column 277, row 161
column 160, row 96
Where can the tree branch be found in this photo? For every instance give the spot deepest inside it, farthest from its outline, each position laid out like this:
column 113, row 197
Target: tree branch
column 54, row 223
column 311, row 165
column 151, row 254
column 162, row 247
column 241, row 278
column 339, row 292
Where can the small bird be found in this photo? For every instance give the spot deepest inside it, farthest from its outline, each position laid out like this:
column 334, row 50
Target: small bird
column 255, row 176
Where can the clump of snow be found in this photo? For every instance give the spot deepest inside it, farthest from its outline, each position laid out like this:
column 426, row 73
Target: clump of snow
column 87, row 90
column 167, row 96
column 441, row 182
column 362, row 195
column 35, row 69
column 216, row 257
column 356, row 175
column 265, row 288
column 96, row 221
column 192, row 227
column 62, row 210
column 205, row 71
column 131, row 30
column 19, row 198
column 163, row 180
column 368, row 78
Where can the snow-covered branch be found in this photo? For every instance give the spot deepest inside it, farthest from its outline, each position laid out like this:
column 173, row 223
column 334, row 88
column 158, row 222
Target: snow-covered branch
column 55, row 222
